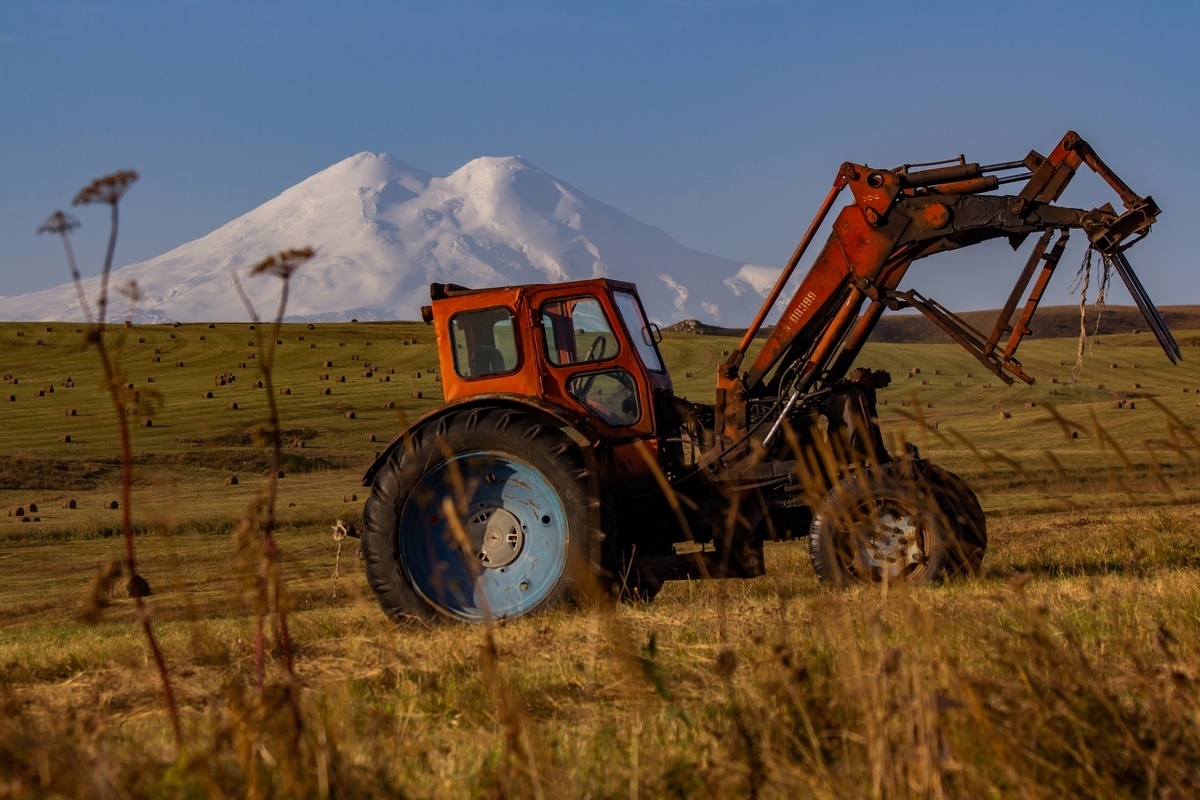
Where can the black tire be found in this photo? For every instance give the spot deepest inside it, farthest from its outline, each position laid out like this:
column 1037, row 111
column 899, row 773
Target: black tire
column 882, row 524
column 967, row 519
column 522, row 498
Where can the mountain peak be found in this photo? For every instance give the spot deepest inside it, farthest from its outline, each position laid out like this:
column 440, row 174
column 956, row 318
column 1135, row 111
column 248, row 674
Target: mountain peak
column 384, row 230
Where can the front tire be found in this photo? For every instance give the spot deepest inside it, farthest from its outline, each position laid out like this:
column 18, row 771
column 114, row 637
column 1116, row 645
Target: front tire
column 483, row 513
column 880, row 525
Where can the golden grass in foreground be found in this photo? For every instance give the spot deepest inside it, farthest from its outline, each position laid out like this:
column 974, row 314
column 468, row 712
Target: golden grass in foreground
column 1069, row 669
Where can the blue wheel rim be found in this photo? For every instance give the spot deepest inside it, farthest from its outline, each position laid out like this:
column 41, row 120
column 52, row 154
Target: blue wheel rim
column 514, row 522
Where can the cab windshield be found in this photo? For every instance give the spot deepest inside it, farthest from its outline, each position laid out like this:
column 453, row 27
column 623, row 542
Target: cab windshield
column 639, row 330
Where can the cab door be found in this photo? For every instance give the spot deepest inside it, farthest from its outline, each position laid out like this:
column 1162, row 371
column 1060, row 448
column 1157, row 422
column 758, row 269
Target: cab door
column 590, row 364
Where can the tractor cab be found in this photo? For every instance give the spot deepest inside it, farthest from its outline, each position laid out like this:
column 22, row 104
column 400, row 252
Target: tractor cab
column 585, row 347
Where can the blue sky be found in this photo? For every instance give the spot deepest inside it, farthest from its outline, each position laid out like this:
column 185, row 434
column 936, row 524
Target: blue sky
column 720, row 121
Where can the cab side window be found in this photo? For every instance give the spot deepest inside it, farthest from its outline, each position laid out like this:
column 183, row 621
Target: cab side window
column 484, row 343
column 577, row 331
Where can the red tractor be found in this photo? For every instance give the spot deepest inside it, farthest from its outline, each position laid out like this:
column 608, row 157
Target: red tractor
column 563, row 464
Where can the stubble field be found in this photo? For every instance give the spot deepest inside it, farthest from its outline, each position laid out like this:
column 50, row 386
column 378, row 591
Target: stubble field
column 1067, row 668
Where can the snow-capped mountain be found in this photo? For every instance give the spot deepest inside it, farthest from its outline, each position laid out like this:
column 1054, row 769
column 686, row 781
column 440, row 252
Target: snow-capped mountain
column 384, row 230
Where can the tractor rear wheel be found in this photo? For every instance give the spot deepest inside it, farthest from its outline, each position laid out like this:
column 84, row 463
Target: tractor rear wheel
column 880, row 525
column 484, row 513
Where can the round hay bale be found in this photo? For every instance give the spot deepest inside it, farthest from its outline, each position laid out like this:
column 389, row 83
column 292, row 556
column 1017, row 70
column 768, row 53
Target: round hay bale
column 367, row 343
column 414, row 375
column 150, row 379
column 250, row 327
column 322, row 376
column 299, row 338
column 326, row 363
column 231, row 480
column 279, row 341
column 371, row 437
column 341, row 344
column 391, row 371
column 268, row 473
column 341, row 379
column 65, row 438
column 1031, row 404
column 325, row 390
column 179, row 363
column 390, row 404
column 350, row 498
column 155, row 359
column 354, row 357
column 206, row 395
column 69, row 503
column 147, row 423
column 285, row 390
column 258, row 384
column 311, row 327
column 141, row 340
column 385, row 378
column 231, row 406
column 202, row 338
column 1005, row 415
column 298, row 443
column 211, row 325
column 71, row 412
column 241, row 365
column 40, row 393
column 404, row 342
column 349, row 414
column 418, row 395
column 250, row 343
column 172, row 336
column 111, row 505
column 437, row 378
column 16, row 511
column 366, row 373
column 31, row 508
column 177, row 325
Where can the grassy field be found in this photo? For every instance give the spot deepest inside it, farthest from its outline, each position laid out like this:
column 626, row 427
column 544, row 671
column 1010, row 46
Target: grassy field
column 1067, row 668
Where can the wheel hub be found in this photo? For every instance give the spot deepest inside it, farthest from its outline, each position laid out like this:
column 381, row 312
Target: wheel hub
column 895, row 543
column 497, row 535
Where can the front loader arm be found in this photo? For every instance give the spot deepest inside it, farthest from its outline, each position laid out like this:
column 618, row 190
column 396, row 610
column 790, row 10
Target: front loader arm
column 897, row 217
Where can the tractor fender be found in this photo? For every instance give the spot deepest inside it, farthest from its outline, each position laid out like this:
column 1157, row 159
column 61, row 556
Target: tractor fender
column 577, row 424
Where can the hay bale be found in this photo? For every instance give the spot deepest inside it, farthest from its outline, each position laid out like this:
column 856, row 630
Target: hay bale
column 202, row 338
column 392, row 404
column 155, row 359
column 16, row 511
column 391, row 371
column 367, row 343
column 250, row 327
column 366, row 373
column 258, row 384
column 326, row 363
column 231, row 480
column 69, row 503
column 341, row 344
column 150, row 379
column 906, row 403
column 1031, row 404
column 65, row 438
column 299, row 443
column 71, row 412
column 312, row 345
column 206, row 395
column 414, row 375
column 40, row 393
column 12, row 398
column 311, row 327
column 285, row 390
column 1137, row 386
column 147, row 423
column 231, row 406
column 211, row 325
column 324, row 391
column 925, row 381
column 241, row 365
column 323, row 376
column 687, row 374
column 385, row 378
column 350, row 498
column 349, row 414
column 1005, row 415
column 371, row 437
column 172, row 336
column 883, row 402
column 279, row 341
column 299, row 338
column 354, row 357
column 111, row 505
column 958, row 383
column 418, row 395
column 341, row 379
column 142, row 340
column 31, row 508
column 929, row 404
column 1112, row 366
column 1099, row 385
column 437, row 378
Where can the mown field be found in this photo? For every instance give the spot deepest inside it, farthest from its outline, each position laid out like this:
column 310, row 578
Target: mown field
column 1067, row 668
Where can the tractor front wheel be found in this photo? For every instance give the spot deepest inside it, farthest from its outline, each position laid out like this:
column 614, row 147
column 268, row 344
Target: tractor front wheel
column 880, row 525
column 484, row 513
